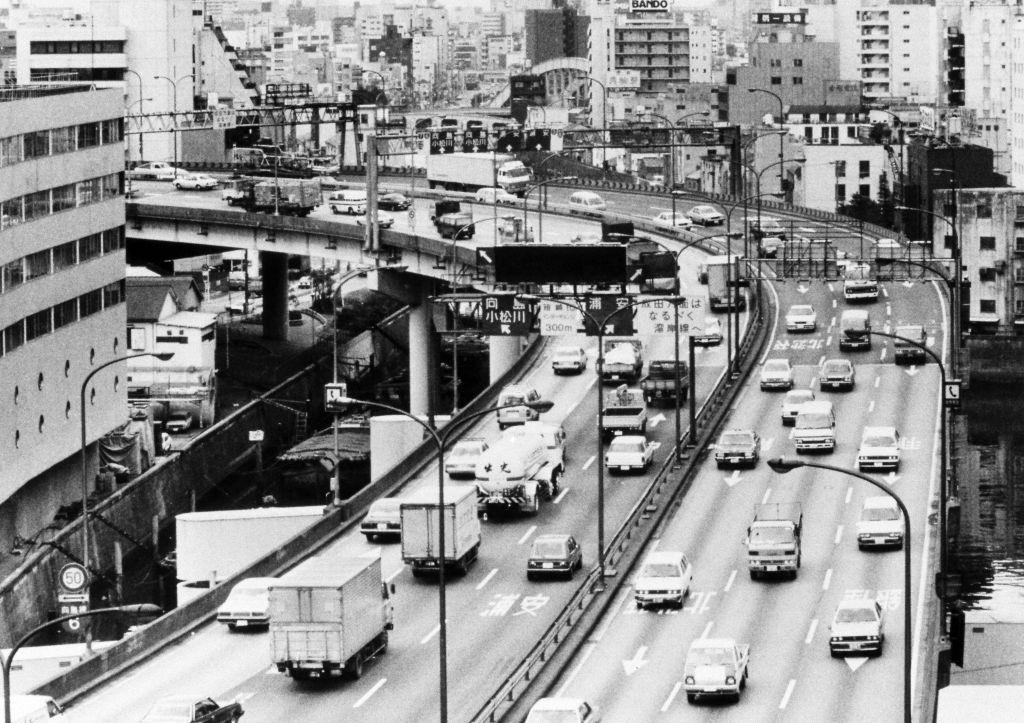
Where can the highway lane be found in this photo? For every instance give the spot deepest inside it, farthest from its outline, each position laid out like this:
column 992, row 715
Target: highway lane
column 632, row 664
column 485, row 636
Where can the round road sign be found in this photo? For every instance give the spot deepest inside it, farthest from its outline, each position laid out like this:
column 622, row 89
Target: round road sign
column 73, row 577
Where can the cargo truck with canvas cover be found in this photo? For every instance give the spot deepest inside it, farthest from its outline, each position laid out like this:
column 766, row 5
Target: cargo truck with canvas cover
column 623, row 360
column 329, row 616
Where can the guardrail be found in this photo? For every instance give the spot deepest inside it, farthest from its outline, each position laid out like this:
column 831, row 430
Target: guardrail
column 643, row 519
column 181, row 621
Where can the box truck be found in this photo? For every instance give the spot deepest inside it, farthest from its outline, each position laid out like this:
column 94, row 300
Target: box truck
column 420, row 535
column 473, row 171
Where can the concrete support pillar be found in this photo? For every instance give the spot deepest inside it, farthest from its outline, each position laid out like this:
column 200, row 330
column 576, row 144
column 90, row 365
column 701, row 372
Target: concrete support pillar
column 504, row 350
column 423, row 381
column 274, row 274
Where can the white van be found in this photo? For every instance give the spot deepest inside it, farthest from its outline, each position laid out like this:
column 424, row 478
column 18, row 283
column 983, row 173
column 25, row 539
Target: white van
column 514, row 394
column 35, row 709
column 815, row 427
column 351, row 201
column 586, row 202
column 664, row 577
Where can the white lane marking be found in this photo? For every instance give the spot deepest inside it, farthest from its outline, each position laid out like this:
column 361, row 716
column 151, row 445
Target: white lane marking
column 877, row 381
column 839, row 535
column 616, row 607
column 828, row 341
column 831, row 287
column 849, row 494
column 589, row 462
column 885, row 292
column 821, row 360
column 433, row 631
column 732, row 578
column 881, row 357
column 810, row 631
column 487, row 579
column 775, row 324
column 832, row 321
column 395, row 574
column 707, row 629
column 888, row 309
column 789, row 691
column 871, row 406
column 370, row 692
column 671, row 696
column 526, row 535
column 572, row 676
column 764, row 498
column 828, row 579
column 835, row 303
column 561, row 495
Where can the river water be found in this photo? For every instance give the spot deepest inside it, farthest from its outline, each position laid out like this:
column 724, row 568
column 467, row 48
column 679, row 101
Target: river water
column 991, row 545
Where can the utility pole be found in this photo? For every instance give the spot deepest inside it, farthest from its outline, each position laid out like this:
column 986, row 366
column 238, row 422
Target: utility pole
column 371, row 241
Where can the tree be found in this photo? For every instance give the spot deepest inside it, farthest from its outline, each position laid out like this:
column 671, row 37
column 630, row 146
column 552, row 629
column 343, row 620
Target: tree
column 886, row 203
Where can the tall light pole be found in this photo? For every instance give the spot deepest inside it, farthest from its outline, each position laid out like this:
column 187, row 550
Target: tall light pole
column 139, row 101
column 783, row 465
column 604, row 116
column 137, row 609
column 782, row 125
column 83, row 456
column 174, row 136
column 440, row 439
column 540, row 207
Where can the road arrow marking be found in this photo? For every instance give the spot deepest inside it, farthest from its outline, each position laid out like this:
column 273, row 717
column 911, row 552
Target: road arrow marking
column 912, row 370
column 485, row 257
column 656, row 420
column 733, row 478
column 803, row 289
column 637, row 662
column 892, row 478
column 855, row 663
column 908, row 284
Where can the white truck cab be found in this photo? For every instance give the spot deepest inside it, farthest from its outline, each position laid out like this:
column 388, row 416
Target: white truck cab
column 815, row 427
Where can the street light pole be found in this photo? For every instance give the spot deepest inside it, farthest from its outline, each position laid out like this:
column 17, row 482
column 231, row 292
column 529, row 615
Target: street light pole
column 136, row 609
column 782, row 185
column 783, row 465
column 141, row 135
column 439, row 440
column 83, row 456
column 174, row 133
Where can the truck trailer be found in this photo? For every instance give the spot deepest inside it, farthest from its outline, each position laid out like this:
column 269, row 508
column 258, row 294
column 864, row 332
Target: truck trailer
column 420, row 515
column 329, row 616
column 473, row 171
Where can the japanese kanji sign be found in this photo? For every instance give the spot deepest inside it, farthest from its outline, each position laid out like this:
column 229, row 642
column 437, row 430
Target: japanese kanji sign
column 614, row 313
column 505, row 315
column 474, row 140
column 557, row 319
column 658, row 316
column 442, row 142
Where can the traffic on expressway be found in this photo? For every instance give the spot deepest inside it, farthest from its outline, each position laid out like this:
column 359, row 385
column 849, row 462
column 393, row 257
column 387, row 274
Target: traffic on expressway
column 632, row 665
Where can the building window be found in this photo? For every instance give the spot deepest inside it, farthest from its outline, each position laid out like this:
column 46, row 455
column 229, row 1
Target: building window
column 11, row 212
column 90, row 303
column 89, row 247
column 798, row 62
column 984, row 207
column 65, row 255
column 37, row 144
column 840, row 169
column 776, row 80
column 37, row 205
column 65, row 313
column 113, row 294
column 840, row 192
column 1018, row 243
column 37, row 264
column 11, row 150
column 987, row 243
column 88, row 135
column 62, row 140
column 864, row 190
column 13, row 274
column 38, row 324
column 987, row 306
column 14, row 336
column 986, row 274
column 864, row 169
column 113, row 240
column 64, row 197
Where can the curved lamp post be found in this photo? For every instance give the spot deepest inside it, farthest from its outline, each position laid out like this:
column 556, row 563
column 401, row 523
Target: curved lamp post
column 782, row 185
column 174, row 84
column 783, row 465
column 83, row 457
column 439, row 439
column 139, row 101
column 137, row 609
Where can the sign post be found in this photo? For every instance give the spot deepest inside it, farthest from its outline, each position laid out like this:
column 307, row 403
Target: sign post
column 951, row 394
column 335, row 397
column 73, row 596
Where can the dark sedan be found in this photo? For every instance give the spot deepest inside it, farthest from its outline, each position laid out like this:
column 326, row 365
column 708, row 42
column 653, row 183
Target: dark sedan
column 554, row 555
column 186, row 709
column 393, row 202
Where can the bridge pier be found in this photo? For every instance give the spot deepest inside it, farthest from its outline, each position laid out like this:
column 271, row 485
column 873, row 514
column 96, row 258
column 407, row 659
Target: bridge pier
column 423, row 356
column 274, row 274
column 504, row 350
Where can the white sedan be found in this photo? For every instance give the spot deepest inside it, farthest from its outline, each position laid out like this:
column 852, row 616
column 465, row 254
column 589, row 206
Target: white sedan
column 383, row 220
column 706, row 216
column 153, row 171
column 495, row 195
column 681, row 219
column 801, row 317
column 195, row 182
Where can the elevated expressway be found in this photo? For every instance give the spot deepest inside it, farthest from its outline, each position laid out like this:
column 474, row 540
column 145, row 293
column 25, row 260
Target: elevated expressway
column 631, row 663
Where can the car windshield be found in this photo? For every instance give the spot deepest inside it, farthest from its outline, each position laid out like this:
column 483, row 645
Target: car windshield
column 880, row 514
column 799, row 396
column 548, row 548
column 243, row 594
column 466, row 450
column 624, row 446
column 512, row 399
column 878, row 440
column 660, row 569
column 553, row 716
column 567, row 351
column 770, row 535
column 816, row 420
column 776, row 365
column 179, row 415
column 386, row 507
column 801, row 310
column 732, row 439
column 855, row 615
column 711, row 656
column 836, row 367
column 172, row 709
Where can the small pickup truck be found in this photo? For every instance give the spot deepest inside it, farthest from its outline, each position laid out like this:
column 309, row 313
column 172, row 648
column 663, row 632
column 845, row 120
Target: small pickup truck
column 659, row 386
column 715, row 667
column 624, row 413
column 629, row 453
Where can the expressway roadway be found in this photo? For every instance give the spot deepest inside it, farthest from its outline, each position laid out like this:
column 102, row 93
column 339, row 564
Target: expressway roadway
column 494, row 614
column 632, row 666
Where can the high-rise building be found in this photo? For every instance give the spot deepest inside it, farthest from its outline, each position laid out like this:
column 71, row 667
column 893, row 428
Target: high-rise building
column 555, row 33
column 62, row 310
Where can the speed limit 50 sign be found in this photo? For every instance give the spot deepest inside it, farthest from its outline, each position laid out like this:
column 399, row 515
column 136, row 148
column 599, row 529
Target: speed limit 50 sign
column 73, row 578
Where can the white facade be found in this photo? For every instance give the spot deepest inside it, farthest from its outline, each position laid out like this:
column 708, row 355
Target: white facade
column 702, row 45
column 1015, row 118
column 988, row 82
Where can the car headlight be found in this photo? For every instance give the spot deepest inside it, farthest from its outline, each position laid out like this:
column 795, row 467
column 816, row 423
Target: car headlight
column 872, row 637
column 689, row 680
column 730, row 680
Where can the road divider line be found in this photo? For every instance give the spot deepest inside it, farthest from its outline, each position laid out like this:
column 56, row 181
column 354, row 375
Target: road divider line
column 671, row 697
column 526, row 535
column 878, row 380
column 487, row 579
column 871, row 406
column 831, row 288
column 839, row 534
column 572, row 676
column 810, row 631
column 732, row 579
column 849, row 494
column 561, row 495
column 370, row 692
column 881, row 357
column 616, row 607
column 586, row 465
column 832, row 321
column 828, row 579
column 821, row 360
column 707, row 629
column 835, row 303
column 764, row 498
column 785, row 696
column 433, row 631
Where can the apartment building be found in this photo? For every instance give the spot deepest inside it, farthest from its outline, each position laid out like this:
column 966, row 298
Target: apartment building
column 62, row 312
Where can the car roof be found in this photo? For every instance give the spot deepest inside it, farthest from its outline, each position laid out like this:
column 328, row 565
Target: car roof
column 816, row 406
column 800, row 393
column 558, row 704
column 856, row 602
column 777, row 359
column 701, row 643
column 630, row 438
column 880, row 501
column 879, row 430
column 838, row 359
column 664, row 556
column 855, row 314
column 552, row 537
